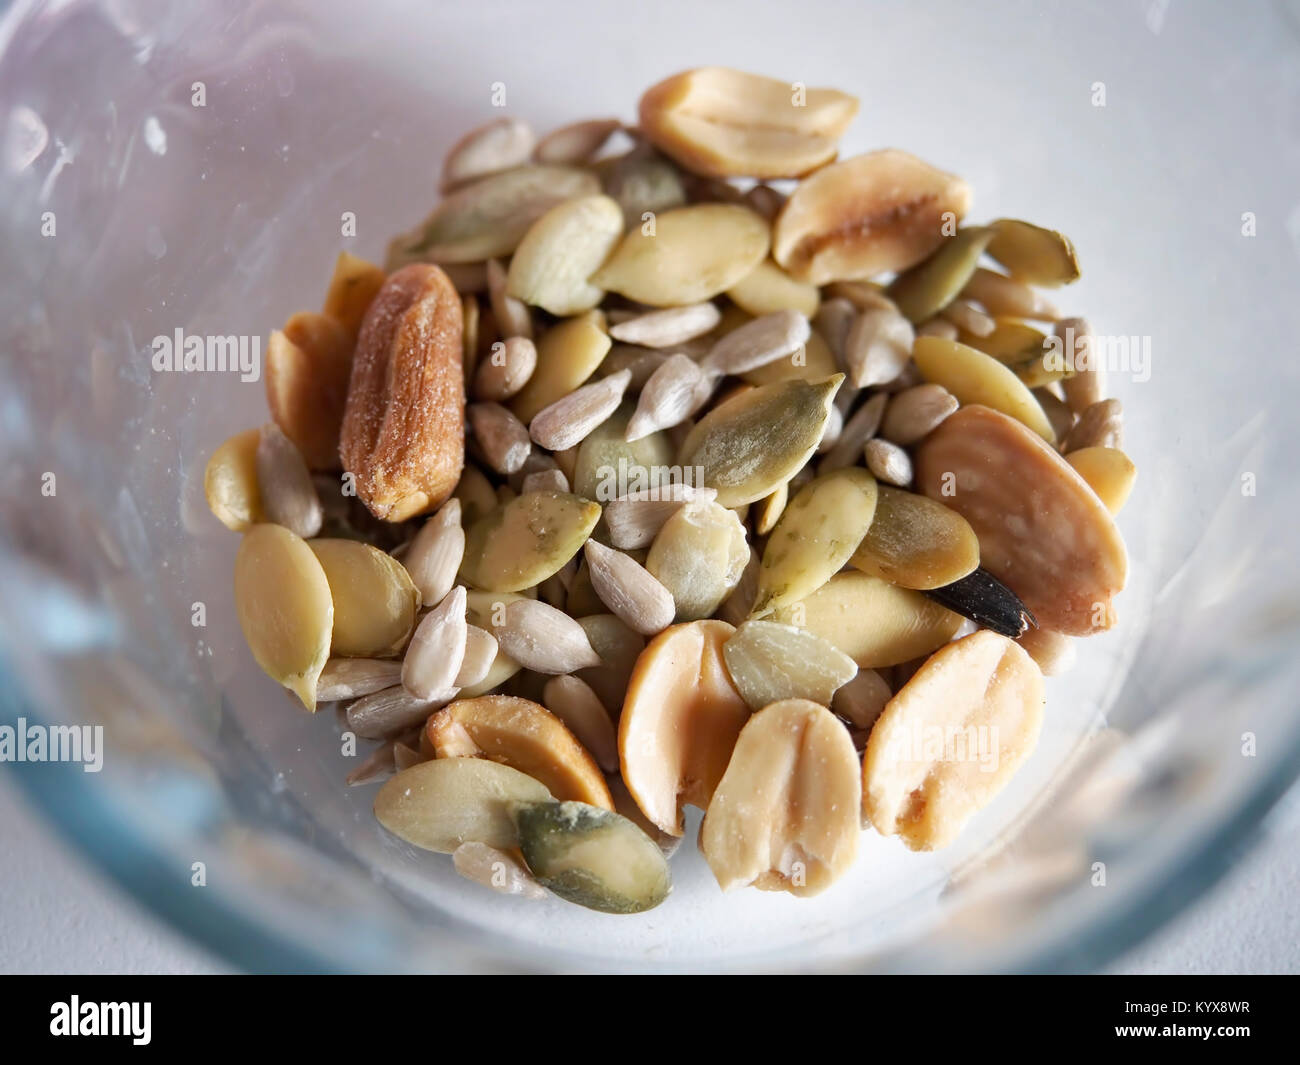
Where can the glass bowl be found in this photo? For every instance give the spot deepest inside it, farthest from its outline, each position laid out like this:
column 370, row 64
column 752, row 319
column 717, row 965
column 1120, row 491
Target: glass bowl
column 195, row 167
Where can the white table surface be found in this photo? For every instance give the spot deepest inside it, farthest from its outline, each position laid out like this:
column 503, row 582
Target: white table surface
column 57, row 915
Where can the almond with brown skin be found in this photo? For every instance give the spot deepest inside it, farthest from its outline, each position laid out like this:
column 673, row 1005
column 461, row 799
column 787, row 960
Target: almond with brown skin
column 403, row 431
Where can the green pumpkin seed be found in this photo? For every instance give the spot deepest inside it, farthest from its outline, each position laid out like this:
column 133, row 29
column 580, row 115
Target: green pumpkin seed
column 927, row 288
column 439, row 805
column 608, row 466
column 818, row 533
column 524, row 541
column 699, row 556
column 916, row 542
column 769, row 662
column 489, row 218
column 1033, row 254
column 592, row 857
column 753, row 442
column 643, row 181
column 872, row 621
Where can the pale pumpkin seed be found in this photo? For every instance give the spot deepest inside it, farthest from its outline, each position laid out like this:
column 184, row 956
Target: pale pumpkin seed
column 618, row 647
column 561, row 250
column 927, row 288
column 567, row 354
column 750, row 444
column 693, row 254
column 916, row 542
column 770, row 662
column 524, row 541
column 976, row 378
column 699, row 555
column 476, row 494
column 375, row 600
column 862, row 699
column 592, row 857
column 1011, row 341
column 812, row 362
column 818, row 533
column 1032, row 254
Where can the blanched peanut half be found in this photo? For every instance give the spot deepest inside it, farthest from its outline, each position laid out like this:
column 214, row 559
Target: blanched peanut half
column 974, row 377
column 561, row 250
column 816, row 536
column 439, row 805
column 950, row 740
column 725, row 123
column 1109, row 472
column 691, row 254
column 285, row 609
column 680, row 721
column 524, row 541
column 1042, row 531
column 873, row 622
column 230, row 482
column 771, row 662
column 698, row 556
column 523, row 735
column 785, row 815
column 866, row 215
column 375, row 601
column 916, row 542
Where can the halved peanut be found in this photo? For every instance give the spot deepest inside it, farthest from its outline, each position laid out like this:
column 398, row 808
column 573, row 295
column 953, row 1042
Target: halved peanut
column 769, row 662
column 680, row 721
column 867, row 215
column 525, row 736
column 1042, row 530
column 524, row 541
column 283, row 600
column 692, row 254
column 974, row 377
column 816, row 536
column 375, row 600
column 1109, row 472
column 749, row 444
column 916, row 542
column 230, row 482
column 699, row 555
column 873, row 622
column 561, row 250
column 785, row 815
column 567, row 354
column 441, row 804
column 950, row 740
column 725, row 123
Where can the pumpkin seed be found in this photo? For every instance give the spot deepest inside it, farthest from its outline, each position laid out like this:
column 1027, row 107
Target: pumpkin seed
column 1032, row 254
column 437, row 650
column 877, row 348
column 592, row 857
column 770, row 662
column 668, row 328
column 676, row 390
column 930, row 286
column 1100, row 425
column 541, row 638
column 1042, row 530
column 767, row 289
column 634, row 594
column 726, row 123
column 1109, row 472
column 230, row 482
column 608, row 464
column 441, row 804
column 759, row 342
column 391, row 710
column 618, row 647
column 693, row 254
column 576, row 143
column 375, row 600
column 496, row 869
column 750, row 444
column 502, row 436
column 644, row 183
column 523, row 735
column 867, row 215
column 498, row 145
column 1002, row 296
column 888, row 462
column 915, row 412
column 699, row 555
column 285, row 609
column 980, row 686
column 916, row 542
column 818, row 533
column 873, row 622
column 680, row 720
column 524, row 541
column 351, row 678
column 785, row 816
column 490, row 217
column 976, row 378
column 862, row 699
column 288, row 494
column 574, row 702
column 567, row 354
column 634, row 520
column 561, row 250
column 568, row 421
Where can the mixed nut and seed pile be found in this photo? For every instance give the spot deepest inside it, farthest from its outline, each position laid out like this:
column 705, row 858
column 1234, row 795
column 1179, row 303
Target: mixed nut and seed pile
column 768, row 499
